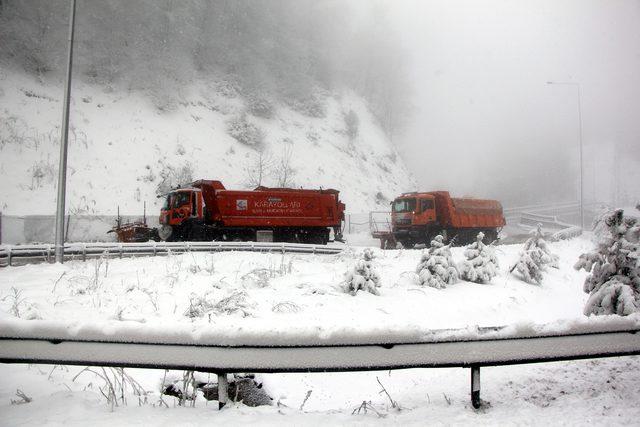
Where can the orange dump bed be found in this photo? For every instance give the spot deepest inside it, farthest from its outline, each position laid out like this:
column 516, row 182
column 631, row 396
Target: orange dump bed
column 468, row 212
column 272, row 207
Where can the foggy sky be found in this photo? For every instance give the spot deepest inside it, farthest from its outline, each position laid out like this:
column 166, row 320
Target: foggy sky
column 486, row 123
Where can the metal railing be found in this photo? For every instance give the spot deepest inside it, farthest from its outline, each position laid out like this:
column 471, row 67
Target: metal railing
column 39, row 343
column 27, row 254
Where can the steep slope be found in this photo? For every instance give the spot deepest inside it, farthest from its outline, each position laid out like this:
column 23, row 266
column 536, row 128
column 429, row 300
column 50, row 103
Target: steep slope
column 124, row 149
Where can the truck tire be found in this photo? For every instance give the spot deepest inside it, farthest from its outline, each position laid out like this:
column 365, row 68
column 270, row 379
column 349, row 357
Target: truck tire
column 165, row 232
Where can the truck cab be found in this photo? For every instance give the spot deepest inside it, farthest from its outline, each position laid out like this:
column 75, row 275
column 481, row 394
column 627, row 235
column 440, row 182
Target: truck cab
column 411, row 213
column 180, row 206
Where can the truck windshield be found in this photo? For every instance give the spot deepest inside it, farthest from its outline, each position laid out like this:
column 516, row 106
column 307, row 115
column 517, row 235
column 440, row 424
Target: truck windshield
column 165, row 206
column 181, row 198
column 404, row 205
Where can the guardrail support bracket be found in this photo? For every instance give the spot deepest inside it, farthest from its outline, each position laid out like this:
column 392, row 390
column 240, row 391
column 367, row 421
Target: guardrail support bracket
column 475, row 386
column 223, row 389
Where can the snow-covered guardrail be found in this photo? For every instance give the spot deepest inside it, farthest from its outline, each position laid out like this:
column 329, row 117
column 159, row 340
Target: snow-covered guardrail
column 562, row 229
column 24, row 254
column 36, row 341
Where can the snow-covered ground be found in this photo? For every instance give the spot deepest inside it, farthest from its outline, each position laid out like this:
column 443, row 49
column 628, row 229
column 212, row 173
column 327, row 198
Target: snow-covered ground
column 243, row 296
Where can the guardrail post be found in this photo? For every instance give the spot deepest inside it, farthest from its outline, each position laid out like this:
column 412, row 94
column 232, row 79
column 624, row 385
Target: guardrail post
column 9, row 256
column 223, row 389
column 475, row 386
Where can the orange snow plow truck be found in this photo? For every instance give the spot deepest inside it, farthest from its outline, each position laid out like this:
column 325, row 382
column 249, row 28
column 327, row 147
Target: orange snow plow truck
column 206, row 210
column 418, row 217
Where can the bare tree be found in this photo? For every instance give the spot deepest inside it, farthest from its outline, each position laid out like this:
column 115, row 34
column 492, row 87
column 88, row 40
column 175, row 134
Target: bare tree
column 259, row 169
column 283, row 171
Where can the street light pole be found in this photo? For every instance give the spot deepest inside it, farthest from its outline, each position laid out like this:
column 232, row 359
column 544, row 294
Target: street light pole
column 64, row 139
column 577, row 85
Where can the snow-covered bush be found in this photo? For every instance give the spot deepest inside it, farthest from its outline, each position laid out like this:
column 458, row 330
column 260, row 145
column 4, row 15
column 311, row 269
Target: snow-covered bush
column 311, row 105
column 236, row 302
column 244, row 131
column 261, row 107
column 352, row 123
column 363, row 275
column 199, row 305
column 172, row 177
column 481, row 264
column 535, row 257
column 436, row 268
column 614, row 282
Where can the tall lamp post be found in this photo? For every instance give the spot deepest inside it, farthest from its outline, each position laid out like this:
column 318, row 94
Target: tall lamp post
column 577, row 86
column 64, row 139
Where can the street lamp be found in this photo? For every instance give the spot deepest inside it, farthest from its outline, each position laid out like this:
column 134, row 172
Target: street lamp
column 64, row 139
column 577, row 86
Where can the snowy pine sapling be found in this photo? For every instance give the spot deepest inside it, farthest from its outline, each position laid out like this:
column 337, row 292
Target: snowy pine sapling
column 481, row 264
column 535, row 257
column 614, row 282
column 363, row 276
column 436, row 268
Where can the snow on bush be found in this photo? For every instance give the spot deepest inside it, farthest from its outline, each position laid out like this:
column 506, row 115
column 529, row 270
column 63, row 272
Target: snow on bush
column 363, row 275
column 535, row 257
column 614, row 282
column 173, row 177
column 260, row 107
column 311, row 105
column 199, row 305
column 236, row 302
column 352, row 123
column 436, row 268
column 244, row 131
column 481, row 264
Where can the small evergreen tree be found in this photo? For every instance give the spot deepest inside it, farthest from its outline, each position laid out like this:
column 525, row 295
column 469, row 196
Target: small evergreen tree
column 614, row 283
column 535, row 257
column 363, row 275
column 436, row 268
column 481, row 264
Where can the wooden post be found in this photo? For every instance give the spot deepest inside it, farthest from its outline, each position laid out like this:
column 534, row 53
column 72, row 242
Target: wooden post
column 223, row 389
column 475, row 386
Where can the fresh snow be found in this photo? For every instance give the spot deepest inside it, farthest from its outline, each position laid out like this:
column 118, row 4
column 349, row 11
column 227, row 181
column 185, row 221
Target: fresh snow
column 120, row 145
column 236, row 298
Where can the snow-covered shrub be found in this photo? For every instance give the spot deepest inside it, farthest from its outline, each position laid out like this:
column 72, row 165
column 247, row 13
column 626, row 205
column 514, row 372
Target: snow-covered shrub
column 614, row 282
column 352, row 123
column 363, row 276
column 237, row 302
column 481, row 264
column 535, row 257
column 244, row 131
column 172, row 177
column 436, row 268
column 286, row 307
column 42, row 171
column 261, row 107
column 199, row 305
column 311, row 106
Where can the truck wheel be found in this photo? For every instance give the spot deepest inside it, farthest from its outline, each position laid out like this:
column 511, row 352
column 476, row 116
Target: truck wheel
column 165, row 232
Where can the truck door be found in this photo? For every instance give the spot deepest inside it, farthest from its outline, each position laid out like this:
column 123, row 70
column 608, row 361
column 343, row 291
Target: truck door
column 180, row 206
column 426, row 210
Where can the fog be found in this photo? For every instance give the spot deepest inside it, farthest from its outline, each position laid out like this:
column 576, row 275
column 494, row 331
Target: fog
column 485, row 121
column 459, row 86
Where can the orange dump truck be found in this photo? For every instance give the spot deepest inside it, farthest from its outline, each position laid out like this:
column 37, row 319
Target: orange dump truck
column 418, row 217
column 206, row 210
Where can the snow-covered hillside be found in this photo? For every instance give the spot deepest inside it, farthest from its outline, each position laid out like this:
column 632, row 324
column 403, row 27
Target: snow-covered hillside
column 123, row 145
column 242, row 296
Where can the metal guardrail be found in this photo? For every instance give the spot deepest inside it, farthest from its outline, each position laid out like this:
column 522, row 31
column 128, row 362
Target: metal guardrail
column 564, row 230
column 27, row 254
column 489, row 348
